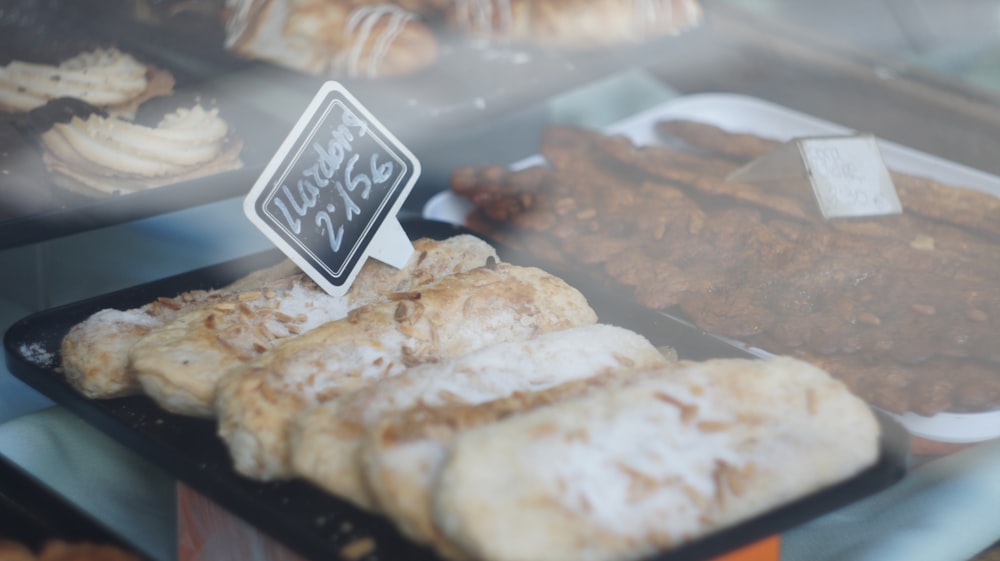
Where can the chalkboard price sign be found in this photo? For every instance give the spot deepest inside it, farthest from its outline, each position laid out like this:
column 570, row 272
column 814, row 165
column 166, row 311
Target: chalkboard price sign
column 329, row 196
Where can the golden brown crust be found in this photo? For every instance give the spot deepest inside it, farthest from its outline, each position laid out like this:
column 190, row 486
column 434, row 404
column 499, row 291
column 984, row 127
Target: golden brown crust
column 95, row 351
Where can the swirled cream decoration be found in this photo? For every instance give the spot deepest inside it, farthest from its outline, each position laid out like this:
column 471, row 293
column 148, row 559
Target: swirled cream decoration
column 112, row 155
column 103, row 78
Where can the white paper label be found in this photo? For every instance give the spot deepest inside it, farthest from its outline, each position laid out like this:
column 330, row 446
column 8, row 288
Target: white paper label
column 849, row 177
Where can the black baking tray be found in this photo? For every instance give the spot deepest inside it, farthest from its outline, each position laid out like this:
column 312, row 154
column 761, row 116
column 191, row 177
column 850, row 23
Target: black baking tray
column 33, row 515
column 317, row 524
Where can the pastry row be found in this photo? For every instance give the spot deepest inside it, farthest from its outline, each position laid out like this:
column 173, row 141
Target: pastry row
column 469, row 401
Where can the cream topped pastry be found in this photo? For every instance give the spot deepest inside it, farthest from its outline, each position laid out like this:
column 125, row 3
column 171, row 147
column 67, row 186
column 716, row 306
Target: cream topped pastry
column 106, row 78
column 106, row 155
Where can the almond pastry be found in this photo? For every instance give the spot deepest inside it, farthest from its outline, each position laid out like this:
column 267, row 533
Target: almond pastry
column 402, row 454
column 626, row 472
column 326, row 440
column 460, row 313
column 95, row 351
column 180, row 362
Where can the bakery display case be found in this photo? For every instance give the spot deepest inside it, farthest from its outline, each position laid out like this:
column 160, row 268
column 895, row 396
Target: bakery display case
column 658, row 168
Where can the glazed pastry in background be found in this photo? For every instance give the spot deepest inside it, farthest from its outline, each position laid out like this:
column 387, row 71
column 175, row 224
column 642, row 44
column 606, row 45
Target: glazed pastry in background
column 180, row 362
column 257, row 402
column 623, row 473
column 325, row 37
column 105, row 78
column 576, row 25
column 100, row 156
column 326, row 440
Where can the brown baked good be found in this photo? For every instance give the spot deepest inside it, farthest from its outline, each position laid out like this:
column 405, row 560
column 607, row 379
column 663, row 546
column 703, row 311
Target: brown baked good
column 909, row 295
column 919, row 195
column 458, row 314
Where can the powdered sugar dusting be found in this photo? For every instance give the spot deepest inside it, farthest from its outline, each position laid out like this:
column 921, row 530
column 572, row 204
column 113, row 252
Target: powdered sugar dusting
column 37, row 354
column 111, row 319
column 505, row 368
column 626, row 473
